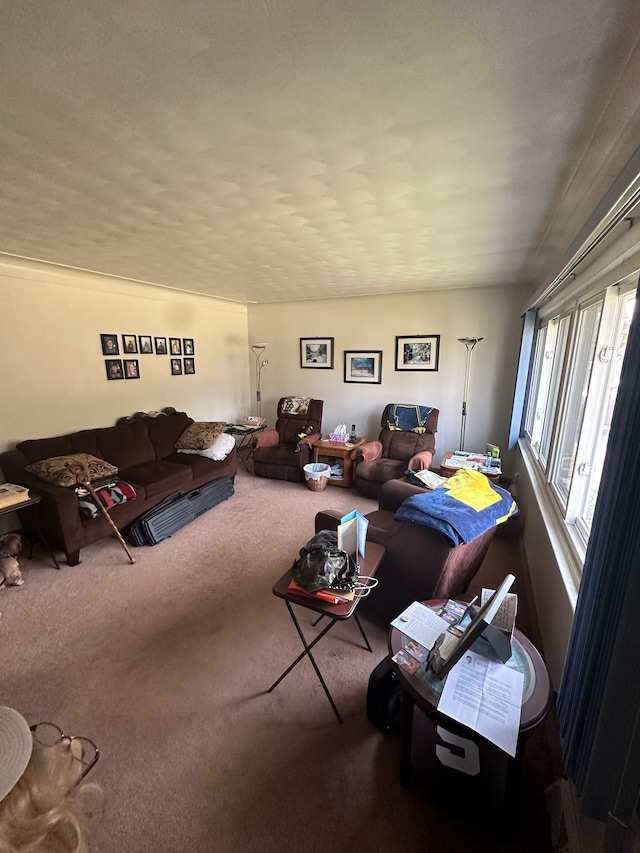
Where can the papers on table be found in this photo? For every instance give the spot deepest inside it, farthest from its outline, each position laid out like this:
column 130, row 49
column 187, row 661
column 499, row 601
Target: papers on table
column 485, row 696
column 421, row 624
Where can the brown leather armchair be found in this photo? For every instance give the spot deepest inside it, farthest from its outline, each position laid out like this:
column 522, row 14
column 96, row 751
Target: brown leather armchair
column 419, row 563
column 396, row 449
column 280, row 453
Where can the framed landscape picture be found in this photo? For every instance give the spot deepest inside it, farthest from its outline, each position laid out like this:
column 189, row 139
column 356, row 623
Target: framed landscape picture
column 417, row 352
column 316, row 352
column 363, row 366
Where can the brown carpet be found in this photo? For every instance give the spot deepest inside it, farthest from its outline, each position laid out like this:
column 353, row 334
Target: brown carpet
column 165, row 664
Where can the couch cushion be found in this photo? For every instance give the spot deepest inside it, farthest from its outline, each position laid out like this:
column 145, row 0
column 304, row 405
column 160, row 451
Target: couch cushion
column 165, row 430
column 36, row 449
column 219, row 450
column 159, row 478
column 126, row 445
column 70, row 469
column 200, row 435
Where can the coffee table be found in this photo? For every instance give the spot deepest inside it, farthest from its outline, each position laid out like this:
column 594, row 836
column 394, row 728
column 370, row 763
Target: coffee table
column 337, row 450
column 374, row 555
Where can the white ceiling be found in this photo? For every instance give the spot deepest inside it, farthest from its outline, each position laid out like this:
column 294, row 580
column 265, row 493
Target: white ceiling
column 266, row 150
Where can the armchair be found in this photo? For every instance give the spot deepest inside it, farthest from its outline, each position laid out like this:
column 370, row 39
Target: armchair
column 407, row 440
column 419, row 562
column 280, row 453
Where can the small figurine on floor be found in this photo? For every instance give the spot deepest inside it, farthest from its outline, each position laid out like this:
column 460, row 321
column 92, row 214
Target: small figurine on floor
column 10, row 547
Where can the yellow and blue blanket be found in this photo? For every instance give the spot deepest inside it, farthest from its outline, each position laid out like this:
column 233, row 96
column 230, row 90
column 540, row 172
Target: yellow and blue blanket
column 463, row 508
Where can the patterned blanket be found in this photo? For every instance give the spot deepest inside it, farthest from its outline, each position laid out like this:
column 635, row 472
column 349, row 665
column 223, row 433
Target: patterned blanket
column 463, row 508
column 408, row 418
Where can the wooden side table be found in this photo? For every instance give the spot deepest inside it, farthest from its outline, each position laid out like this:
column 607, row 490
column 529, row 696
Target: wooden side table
column 447, row 470
column 337, row 450
column 28, row 515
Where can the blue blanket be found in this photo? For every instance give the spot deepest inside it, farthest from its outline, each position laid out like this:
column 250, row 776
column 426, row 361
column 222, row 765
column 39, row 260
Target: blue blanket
column 408, row 418
column 461, row 509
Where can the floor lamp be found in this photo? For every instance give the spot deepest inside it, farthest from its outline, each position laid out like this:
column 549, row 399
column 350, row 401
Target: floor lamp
column 469, row 344
column 257, row 350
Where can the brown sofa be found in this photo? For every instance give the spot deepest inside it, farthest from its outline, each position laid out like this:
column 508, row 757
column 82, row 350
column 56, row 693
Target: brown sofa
column 419, row 563
column 143, row 451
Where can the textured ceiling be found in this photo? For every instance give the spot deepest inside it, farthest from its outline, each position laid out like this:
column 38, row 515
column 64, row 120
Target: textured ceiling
column 266, row 150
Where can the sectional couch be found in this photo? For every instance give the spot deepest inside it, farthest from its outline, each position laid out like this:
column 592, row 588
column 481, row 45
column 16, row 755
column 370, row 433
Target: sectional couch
column 143, row 450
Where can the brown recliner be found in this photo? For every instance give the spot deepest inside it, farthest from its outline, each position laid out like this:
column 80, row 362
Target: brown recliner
column 280, row 453
column 397, row 449
column 419, row 562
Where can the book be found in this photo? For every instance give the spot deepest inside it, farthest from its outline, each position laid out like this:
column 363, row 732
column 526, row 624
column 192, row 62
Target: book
column 429, row 479
column 451, row 645
column 338, row 596
column 11, row 494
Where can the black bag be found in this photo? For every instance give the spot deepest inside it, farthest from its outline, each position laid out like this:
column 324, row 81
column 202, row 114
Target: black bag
column 322, row 565
column 384, row 696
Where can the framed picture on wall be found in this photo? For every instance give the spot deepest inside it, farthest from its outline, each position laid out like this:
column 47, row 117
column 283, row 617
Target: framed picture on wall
column 189, row 346
column 175, row 346
column 131, row 369
column 129, row 343
column 363, row 366
column 417, row 352
column 161, row 346
column 316, row 352
column 189, row 365
column 145, row 344
column 176, row 367
column 109, row 345
column 114, row 368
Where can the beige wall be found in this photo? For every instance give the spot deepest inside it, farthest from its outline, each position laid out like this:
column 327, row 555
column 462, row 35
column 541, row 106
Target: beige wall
column 53, row 376
column 373, row 323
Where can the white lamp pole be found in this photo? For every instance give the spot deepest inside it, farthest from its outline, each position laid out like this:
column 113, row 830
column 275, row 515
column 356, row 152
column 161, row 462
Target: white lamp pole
column 469, row 344
column 257, row 350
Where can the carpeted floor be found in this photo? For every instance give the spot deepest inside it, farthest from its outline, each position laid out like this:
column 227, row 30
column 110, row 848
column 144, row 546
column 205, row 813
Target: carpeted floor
column 165, row 664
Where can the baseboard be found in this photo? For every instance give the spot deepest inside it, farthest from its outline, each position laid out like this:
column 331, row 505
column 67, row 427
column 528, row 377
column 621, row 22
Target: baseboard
column 571, row 831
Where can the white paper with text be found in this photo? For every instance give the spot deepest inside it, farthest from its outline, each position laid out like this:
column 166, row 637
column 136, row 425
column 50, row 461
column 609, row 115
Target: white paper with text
column 486, row 696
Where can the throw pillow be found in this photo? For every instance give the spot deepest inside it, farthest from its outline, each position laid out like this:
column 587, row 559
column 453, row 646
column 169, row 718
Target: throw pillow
column 200, row 435
column 295, row 405
column 219, row 450
column 71, row 469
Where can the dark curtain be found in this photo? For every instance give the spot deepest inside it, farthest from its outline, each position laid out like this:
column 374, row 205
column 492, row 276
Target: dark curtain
column 599, row 697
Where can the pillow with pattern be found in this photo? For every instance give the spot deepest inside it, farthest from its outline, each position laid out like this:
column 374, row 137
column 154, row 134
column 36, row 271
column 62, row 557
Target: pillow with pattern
column 200, row 435
column 219, row 450
column 71, row 469
column 295, row 405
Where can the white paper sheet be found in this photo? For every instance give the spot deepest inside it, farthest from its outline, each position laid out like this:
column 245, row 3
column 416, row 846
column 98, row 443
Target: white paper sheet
column 421, row 624
column 486, row 696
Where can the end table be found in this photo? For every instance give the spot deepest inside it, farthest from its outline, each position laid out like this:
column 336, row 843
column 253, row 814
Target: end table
column 337, row 450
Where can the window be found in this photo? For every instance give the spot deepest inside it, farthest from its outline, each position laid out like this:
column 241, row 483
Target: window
column 573, row 384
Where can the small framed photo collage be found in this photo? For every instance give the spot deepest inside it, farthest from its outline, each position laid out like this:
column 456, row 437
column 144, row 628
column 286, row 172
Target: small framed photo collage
column 126, row 367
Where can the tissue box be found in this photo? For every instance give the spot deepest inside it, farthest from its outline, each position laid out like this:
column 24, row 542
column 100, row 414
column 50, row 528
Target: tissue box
column 342, row 437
